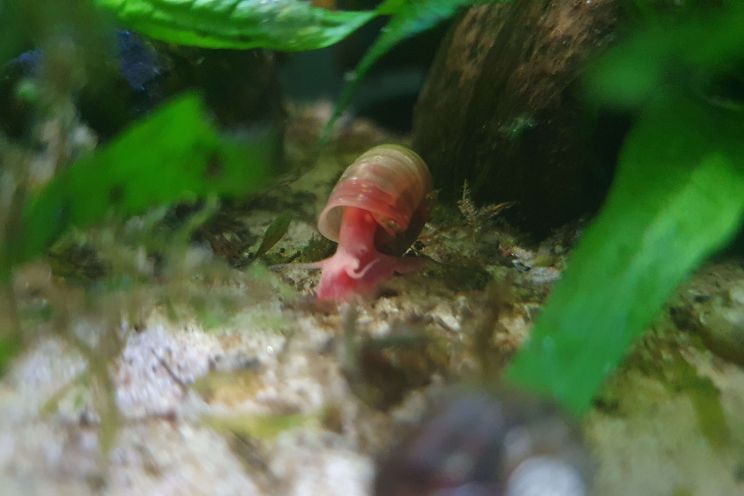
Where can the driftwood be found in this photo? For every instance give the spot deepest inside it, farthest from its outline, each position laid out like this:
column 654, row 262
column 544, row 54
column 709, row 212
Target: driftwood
column 501, row 109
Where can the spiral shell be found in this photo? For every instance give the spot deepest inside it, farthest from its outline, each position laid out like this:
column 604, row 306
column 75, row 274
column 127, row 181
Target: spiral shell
column 392, row 183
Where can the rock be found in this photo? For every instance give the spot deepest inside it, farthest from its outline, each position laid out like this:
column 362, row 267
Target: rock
column 712, row 306
column 500, row 111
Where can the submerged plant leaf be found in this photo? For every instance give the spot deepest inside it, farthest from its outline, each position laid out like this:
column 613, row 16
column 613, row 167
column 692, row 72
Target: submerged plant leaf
column 12, row 32
column 287, row 25
column 276, row 231
column 409, row 19
column 10, row 346
column 173, row 155
column 660, row 54
column 678, row 195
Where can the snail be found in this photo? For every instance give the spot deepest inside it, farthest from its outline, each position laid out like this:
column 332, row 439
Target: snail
column 375, row 212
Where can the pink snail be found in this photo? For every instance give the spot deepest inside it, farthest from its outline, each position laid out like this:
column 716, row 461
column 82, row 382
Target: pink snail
column 375, row 211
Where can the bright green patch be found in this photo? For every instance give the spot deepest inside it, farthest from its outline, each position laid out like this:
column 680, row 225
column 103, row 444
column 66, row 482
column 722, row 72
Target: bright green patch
column 288, row 25
column 669, row 51
column 678, row 195
column 173, row 155
column 10, row 346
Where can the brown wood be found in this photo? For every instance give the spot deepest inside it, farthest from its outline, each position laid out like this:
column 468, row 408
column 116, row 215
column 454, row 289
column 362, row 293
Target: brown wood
column 500, row 108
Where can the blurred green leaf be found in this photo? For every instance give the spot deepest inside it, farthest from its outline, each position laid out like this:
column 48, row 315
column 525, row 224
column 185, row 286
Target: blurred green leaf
column 276, row 231
column 656, row 57
column 40, row 24
column 12, row 35
column 287, row 25
column 175, row 154
column 409, row 18
column 10, row 346
column 678, row 195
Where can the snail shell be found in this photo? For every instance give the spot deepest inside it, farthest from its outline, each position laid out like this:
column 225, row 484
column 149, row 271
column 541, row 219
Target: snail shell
column 391, row 182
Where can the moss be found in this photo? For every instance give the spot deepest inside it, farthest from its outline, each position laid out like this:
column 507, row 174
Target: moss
column 317, row 249
column 461, row 277
column 78, row 263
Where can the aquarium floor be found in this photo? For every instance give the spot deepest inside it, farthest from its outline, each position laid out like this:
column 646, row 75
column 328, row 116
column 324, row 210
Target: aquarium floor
column 283, row 396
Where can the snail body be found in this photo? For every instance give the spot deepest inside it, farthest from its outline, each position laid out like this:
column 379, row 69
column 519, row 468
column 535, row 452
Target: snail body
column 375, row 211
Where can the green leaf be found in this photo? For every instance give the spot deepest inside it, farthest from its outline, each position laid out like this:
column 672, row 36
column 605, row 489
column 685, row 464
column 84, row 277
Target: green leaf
column 173, row 155
column 9, row 348
column 678, row 195
column 658, row 55
column 409, row 18
column 12, row 36
column 276, row 231
column 287, row 25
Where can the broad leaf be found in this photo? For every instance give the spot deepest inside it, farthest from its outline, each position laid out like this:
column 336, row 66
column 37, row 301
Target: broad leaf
column 174, row 154
column 678, row 195
column 663, row 54
column 12, row 34
column 287, row 25
column 274, row 233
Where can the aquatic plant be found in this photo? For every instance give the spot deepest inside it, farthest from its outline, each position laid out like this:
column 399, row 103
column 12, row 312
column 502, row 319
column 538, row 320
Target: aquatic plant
column 174, row 154
column 53, row 184
column 284, row 25
column 678, row 195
